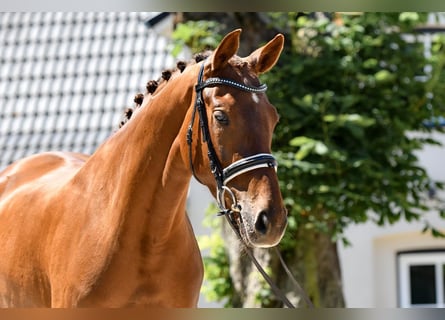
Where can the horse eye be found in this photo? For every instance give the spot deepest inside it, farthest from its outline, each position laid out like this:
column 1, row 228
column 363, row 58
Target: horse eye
column 221, row 117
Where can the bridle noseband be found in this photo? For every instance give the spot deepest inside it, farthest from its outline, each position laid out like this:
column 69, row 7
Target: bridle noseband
column 223, row 176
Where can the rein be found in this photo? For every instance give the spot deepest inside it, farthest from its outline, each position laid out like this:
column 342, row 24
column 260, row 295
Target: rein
column 223, row 176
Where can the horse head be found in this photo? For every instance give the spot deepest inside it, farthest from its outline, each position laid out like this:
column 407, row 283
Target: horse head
column 232, row 156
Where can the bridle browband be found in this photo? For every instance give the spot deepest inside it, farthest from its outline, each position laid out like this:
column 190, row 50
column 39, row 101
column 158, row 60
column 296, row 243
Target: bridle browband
column 223, row 176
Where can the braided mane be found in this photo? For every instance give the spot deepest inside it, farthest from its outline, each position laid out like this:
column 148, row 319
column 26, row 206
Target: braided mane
column 153, row 86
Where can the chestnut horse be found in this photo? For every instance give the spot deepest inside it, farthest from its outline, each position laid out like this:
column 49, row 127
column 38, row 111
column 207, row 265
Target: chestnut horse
column 111, row 230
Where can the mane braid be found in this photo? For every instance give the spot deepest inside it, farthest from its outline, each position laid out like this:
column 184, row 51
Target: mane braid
column 166, row 74
column 153, row 86
column 138, row 99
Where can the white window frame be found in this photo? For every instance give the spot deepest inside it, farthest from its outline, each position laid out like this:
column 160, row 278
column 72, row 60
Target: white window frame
column 408, row 259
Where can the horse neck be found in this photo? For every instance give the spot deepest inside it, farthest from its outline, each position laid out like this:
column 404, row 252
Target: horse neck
column 139, row 171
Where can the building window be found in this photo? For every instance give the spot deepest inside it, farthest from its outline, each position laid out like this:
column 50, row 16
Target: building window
column 421, row 279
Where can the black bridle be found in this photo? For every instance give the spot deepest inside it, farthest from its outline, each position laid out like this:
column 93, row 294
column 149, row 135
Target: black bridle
column 223, row 176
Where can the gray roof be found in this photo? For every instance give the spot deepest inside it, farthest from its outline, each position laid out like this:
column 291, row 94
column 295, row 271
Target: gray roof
column 66, row 78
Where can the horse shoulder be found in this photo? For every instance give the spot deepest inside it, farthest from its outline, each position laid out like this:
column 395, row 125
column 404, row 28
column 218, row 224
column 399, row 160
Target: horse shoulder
column 26, row 170
column 26, row 189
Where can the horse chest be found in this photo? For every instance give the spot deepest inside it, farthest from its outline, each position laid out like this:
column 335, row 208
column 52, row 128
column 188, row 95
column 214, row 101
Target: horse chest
column 164, row 276
column 174, row 285
column 172, row 277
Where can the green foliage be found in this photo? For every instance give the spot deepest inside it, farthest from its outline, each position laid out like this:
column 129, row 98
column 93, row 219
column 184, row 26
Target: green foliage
column 197, row 35
column 218, row 285
column 351, row 91
column 349, row 94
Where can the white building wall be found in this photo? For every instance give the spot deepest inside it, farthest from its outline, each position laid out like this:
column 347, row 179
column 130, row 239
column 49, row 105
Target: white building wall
column 369, row 266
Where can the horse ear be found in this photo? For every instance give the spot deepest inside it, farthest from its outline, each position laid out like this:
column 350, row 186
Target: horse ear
column 226, row 49
column 264, row 58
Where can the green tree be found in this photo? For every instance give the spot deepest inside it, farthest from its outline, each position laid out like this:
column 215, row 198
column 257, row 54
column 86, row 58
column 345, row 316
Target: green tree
column 354, row 95
column 346, row 142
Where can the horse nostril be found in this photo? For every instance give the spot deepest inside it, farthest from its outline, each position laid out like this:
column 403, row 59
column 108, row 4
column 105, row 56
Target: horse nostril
column 262, row 223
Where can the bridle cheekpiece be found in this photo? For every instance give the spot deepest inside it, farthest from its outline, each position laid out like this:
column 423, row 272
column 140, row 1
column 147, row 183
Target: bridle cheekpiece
column 223, row 176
